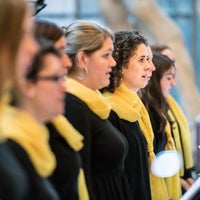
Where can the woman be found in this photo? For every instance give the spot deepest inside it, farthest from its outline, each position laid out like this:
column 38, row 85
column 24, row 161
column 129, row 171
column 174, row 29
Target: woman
column 51, row 31
column 65, row 141
column 41, row 98
column 154, row 98
column 183, row 137
column 90, row 47
column 13, row 183
column 132, row 72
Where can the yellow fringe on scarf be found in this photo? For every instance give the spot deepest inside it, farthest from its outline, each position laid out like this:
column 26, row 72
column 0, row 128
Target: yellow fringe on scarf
column 31, row 136
column 82, row 188
column 128, row 106
column 183, row 133
column 74, row 139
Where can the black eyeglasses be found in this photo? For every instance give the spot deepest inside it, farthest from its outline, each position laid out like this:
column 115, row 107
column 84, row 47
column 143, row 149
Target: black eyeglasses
column 55, row 78
column 38, row 5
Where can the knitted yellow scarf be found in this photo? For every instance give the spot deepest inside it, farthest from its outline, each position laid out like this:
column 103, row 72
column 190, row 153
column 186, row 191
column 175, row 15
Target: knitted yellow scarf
column 68, row 132
column 74, row 139
column 183, row 132
column 125, row 103
column 161, row 188
column 32, row 136
column 132, row 110
column 93, row 99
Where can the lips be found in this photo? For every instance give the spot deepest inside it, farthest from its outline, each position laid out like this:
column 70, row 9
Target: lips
column 147, row 76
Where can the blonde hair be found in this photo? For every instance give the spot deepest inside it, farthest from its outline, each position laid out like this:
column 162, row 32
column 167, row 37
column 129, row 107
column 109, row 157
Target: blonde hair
column 12, row 14
column 84, row 35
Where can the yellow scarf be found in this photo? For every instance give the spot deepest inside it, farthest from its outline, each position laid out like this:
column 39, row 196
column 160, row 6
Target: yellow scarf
column 183, row 132
column 128, row 106
column 74, row 139
column 32, row 136
column 125, row 103
column 68, row 132
column 93, row 99
column 161, row 188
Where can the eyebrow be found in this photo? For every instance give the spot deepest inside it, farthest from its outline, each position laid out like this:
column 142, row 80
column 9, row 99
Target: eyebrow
column 142, row 56
column 169, row 73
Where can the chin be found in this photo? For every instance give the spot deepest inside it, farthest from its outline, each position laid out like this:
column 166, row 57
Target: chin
column 61, row 110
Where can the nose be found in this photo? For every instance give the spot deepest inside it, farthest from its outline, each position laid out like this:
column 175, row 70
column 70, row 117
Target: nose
column 153, row 68
column 173, row 82
column 147, row 65
column 34, row 46
column 62, row 85
column 112, row 62
column 66, row 61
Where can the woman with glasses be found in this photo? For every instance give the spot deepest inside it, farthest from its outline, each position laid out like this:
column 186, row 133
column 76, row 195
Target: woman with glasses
column 66, row 142
column 39, row 98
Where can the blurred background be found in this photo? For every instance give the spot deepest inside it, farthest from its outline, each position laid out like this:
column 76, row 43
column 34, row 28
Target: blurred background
column 172, row 22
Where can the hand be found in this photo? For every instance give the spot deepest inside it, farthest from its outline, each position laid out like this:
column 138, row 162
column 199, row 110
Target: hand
column 186, row 183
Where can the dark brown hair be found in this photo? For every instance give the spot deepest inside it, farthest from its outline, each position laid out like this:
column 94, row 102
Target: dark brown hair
column 48, row 30
column 152, row 96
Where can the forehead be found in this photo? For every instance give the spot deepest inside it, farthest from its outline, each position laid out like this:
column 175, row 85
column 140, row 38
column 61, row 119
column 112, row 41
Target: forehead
column 171, row 71
column 149, row 52
column 108, row 43
column 61, row 42
column 168, row 53
column 141, row 50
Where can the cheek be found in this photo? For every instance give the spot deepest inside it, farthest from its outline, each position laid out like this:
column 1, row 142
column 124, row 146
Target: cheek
column 163, row 85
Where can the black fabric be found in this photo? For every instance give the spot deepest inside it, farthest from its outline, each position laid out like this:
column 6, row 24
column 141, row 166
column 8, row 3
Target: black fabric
column 39, row 188
column 137, row 158
column 160, row 138
column 66, row 173
column 103, row 154
column 13, row 182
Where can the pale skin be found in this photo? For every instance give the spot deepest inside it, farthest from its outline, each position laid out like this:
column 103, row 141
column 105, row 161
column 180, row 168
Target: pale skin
column 139, row 69
column 60, row 45
column 167, row 82
column 28, row 46
column 99, row 65
column 185, row 183
column 44, row 99
column 169, row 54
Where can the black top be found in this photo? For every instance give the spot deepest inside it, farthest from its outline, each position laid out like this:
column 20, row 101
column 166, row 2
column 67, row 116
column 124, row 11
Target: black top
column 137, row 158
column 66, row 173
column 160, row 138
column 13, row 182
column 103, row 154
column 39, row 188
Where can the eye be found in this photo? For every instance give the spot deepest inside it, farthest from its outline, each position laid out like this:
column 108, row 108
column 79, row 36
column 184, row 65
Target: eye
column 141, row 60
column 106, row 55
column 169, row 78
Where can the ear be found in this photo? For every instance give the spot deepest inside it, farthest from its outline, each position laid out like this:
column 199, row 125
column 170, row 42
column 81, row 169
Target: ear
column 29, row 89
column 82, row 59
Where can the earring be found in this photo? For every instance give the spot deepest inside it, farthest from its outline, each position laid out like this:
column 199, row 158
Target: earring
column 83, row 72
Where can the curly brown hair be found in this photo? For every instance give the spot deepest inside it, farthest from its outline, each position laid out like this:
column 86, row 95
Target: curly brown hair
column 125, row 45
